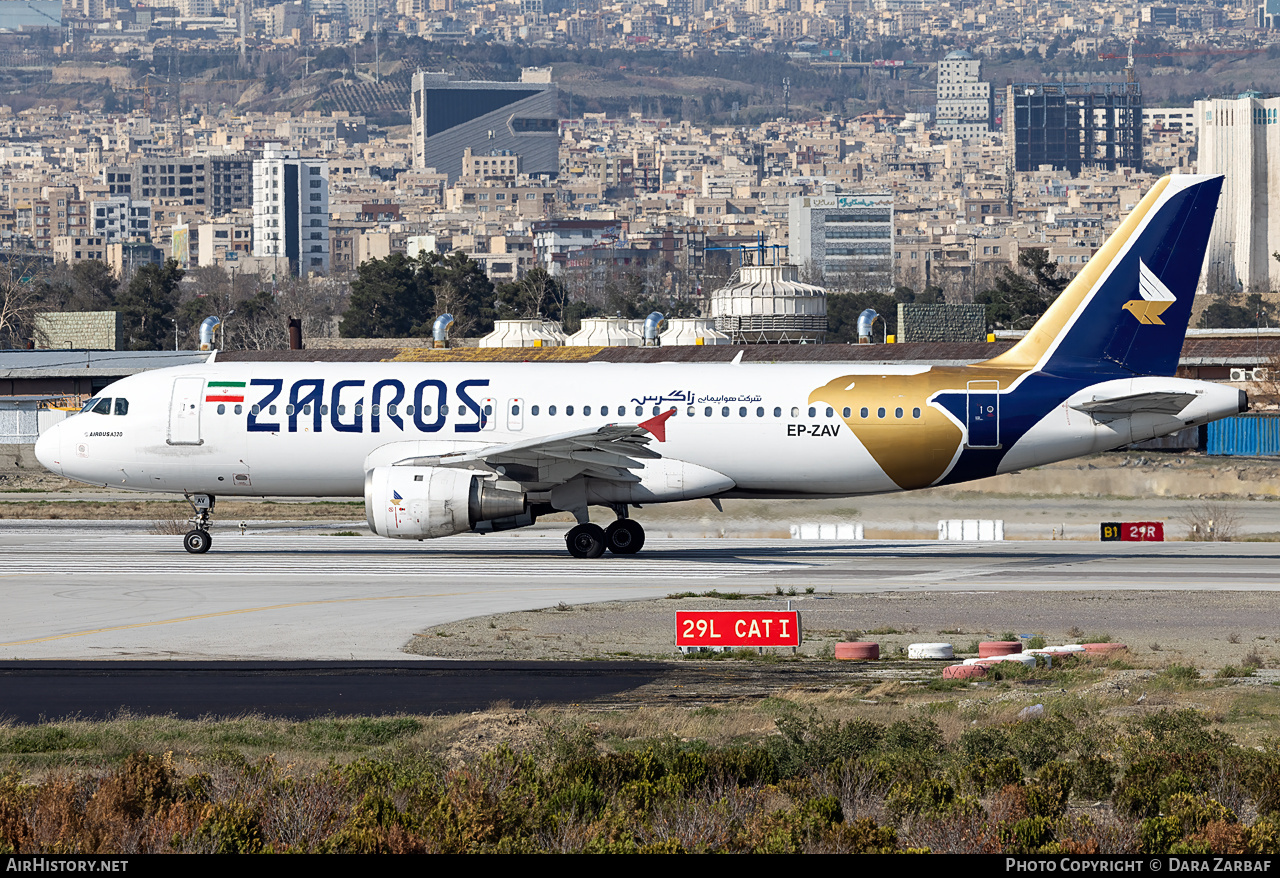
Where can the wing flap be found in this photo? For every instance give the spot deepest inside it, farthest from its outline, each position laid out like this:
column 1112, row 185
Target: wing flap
column 610, row 452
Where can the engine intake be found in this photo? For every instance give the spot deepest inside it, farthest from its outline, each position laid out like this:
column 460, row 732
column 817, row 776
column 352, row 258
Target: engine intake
column 422, row 502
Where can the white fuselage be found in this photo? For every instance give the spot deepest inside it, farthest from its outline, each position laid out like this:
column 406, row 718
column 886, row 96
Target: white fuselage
column 753, row 423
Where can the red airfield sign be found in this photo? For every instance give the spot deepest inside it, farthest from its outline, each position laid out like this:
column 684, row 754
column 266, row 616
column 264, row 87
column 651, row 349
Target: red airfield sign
column 737, row 628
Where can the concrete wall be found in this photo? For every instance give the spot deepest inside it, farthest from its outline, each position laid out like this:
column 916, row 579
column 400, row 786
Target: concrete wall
column 84, row 330
column 942, row 323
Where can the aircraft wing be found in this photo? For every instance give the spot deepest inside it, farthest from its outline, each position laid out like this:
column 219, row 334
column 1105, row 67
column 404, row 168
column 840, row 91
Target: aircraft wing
column 1157, row 403
column 610, row 452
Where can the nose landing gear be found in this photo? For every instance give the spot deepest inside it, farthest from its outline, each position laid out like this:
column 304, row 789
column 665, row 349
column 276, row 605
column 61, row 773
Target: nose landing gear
column 197, row 540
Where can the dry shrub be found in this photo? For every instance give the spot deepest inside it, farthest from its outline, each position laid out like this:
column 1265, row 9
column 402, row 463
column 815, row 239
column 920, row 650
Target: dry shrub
column 169, row 527
column 1224, row 837
column 303, row 812
column 959, row 831
column 1211, row 521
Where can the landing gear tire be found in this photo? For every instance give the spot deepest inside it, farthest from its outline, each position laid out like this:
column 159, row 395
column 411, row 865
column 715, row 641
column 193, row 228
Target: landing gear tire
column 624, row 537
column 586, row 541
column 197, row 542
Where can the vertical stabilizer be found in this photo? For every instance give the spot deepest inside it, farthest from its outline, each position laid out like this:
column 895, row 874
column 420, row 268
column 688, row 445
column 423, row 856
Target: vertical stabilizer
column 1127, row 310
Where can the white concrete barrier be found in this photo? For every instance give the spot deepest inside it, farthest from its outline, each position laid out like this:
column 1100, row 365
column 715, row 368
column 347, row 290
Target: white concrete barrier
column 972, row 529
column 827, row 531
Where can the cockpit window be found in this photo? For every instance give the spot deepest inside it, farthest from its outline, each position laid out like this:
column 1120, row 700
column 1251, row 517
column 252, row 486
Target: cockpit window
column 122, row 406
column 88, row 406
column 103, row 407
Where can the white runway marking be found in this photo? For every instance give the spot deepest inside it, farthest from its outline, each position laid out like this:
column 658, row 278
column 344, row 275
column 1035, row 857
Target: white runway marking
column 314, row 555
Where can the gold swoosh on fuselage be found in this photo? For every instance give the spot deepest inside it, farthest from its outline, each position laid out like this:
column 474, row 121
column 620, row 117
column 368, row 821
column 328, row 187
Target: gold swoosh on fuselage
column 913, row 452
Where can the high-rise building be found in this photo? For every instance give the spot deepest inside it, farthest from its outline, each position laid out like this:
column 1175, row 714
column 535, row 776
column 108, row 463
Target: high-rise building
column 1268, row 14
column 964, row 103
column 121, row 218
column 1239, row 137
column 514, row 118
column 291, row 209
column 843, row 238
column 1070, row 126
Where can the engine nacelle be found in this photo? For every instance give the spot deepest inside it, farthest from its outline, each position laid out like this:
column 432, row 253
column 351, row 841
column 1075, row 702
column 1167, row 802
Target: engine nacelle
column 421, row 502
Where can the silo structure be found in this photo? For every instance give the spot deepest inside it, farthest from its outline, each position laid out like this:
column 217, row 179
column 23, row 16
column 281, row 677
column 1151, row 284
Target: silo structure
column 769, row 304
column 605, row 332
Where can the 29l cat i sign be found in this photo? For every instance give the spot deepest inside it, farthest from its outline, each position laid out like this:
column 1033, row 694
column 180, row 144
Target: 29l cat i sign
column 737, row 628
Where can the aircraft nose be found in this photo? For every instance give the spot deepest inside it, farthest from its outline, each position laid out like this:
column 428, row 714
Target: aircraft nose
column 49, row 449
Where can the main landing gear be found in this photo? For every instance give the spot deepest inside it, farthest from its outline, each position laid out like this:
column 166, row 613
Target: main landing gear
column 623, row 537
column 197, row 541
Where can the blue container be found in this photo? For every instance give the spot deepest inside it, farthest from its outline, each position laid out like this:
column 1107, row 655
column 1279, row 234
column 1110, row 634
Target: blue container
column 1245, row 435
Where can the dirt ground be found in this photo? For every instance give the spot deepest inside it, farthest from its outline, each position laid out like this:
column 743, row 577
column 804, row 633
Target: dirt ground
column 1205, row 630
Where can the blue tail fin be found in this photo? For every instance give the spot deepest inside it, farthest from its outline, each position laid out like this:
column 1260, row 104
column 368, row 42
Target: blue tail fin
column 1127, row 310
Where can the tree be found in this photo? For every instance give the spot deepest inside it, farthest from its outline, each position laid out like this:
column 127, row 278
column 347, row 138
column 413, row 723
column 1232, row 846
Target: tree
column 18, row 305
column 1016, row 301
column 147, row 306
column 1224, row 313
column 388, row 298
column 460, row 288
column 537, row 294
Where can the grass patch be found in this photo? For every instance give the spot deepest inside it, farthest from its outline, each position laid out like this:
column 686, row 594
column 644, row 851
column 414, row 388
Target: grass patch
column 1230, row 671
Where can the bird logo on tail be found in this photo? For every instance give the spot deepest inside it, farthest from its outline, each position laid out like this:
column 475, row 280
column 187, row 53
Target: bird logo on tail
column 1156, row 297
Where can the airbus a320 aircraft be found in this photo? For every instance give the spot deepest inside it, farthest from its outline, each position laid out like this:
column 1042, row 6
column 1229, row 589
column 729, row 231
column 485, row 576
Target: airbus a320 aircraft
column 444, row 448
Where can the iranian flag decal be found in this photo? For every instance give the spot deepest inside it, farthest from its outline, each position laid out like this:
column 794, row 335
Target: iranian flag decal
column 225, row 391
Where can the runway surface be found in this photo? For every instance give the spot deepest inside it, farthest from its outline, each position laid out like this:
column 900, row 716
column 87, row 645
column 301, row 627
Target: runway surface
column 31, row 692
column 72, row 592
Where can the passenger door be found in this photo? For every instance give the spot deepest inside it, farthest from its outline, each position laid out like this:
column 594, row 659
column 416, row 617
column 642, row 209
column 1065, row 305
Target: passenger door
column 184, row 411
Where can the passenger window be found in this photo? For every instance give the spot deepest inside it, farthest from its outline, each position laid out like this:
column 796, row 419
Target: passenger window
column 444, row 410
column 271, row 410
column 258, row 410
column 864, row 413
column 639, row 410
column 377, row 410
column 657, row 410
column 708, row 411
column 515, row 410
column 288, row 410
column 306, row 409
column 551, row 410
column 391, row 410
column 324, row 410
column 534, row 411
column 847, row 412
column 897, row 413
column 724, row 412
column 359, row 409
column 488, row 410
column 795, row 411
column 408, row 410
column 239, row 409
column 742, row 412
column 760, row 412
column 879, row 413
column 568, row 410
column 691, row 411
column 342, row 410
column 122, row 406
column 813, row 412
column 586, row 410
column 103, row 407
column 777, row 412
column 222, row 409
column 830, row 412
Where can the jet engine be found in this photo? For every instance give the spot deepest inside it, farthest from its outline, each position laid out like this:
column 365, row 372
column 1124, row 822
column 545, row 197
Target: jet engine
column 421, row 502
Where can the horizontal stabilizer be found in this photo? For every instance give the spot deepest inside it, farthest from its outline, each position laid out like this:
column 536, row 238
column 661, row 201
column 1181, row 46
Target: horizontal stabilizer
column 1157, row 403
